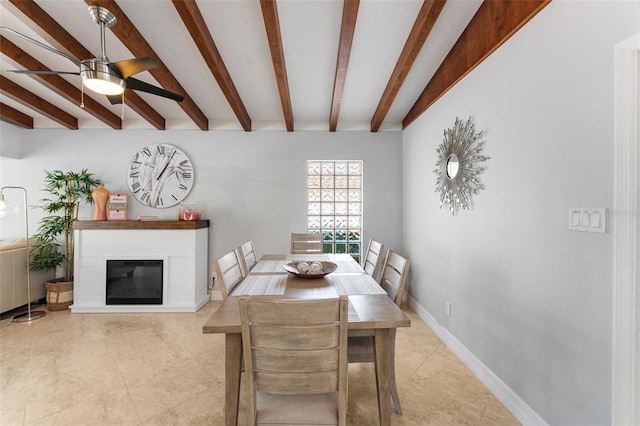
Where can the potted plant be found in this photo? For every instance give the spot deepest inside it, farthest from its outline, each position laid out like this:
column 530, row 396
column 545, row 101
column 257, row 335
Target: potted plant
column 54, row 246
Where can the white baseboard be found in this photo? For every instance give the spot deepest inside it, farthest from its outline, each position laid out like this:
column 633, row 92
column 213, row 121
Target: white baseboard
column 508, row 397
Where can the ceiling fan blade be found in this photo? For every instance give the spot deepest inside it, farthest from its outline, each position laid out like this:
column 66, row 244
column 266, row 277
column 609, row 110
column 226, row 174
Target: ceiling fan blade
column 135, row 84
column 114, row 99
column 43, row 72
column 129, row 67
column 44, row 46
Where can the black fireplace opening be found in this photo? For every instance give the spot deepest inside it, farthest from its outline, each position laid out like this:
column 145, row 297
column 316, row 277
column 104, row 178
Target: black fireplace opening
column 134, row 282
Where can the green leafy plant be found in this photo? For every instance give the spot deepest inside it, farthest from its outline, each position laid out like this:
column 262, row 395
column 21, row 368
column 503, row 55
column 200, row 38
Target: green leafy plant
column 67, row 190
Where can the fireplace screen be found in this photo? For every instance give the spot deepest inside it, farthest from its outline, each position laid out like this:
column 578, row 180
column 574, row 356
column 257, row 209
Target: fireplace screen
column 134, row 282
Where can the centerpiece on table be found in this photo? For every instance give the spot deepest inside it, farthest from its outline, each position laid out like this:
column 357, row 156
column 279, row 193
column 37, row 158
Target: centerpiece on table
column 310, row 269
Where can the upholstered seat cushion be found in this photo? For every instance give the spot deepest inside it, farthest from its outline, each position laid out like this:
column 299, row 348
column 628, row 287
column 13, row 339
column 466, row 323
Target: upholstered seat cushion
column 319, row 409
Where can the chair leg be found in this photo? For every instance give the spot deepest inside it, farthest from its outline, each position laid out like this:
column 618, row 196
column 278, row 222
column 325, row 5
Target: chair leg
column 395, row 399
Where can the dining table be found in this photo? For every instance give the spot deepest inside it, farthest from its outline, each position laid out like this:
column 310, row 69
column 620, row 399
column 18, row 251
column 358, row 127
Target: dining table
column 371, row 313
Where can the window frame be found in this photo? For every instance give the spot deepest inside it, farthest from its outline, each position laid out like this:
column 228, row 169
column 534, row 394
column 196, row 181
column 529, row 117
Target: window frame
column 344, row 236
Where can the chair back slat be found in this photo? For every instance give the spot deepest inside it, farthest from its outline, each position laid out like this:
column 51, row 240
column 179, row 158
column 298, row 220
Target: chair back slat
column 296, row 383
column 298, row 336
column 228, row 272
column 373, row 259
column 294, row 362
column 247, row 257
column 394, row 276
column 306, row 243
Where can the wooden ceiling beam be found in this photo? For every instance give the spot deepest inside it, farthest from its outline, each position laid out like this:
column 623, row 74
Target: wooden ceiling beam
column 13, row 116
column 59, row 85
column 492, row 25
column 349, row 18
column 129, row 35
column 33, row 101
column 197, row 27
column 54, row 34
column 427, row 17
column 272, row 25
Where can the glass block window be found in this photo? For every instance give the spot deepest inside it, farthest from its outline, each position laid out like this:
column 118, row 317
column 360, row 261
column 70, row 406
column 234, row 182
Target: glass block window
column 334, row 205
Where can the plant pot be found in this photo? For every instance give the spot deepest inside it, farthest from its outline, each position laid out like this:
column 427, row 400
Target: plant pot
column 59, row 294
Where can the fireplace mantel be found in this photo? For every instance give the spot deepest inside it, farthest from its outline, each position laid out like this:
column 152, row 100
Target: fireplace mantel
column 182, row 245
column 140, row 224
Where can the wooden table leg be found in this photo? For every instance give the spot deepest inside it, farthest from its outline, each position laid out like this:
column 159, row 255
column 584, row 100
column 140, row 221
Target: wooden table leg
column 383, row 371
column 232, row 374
column 395, row 399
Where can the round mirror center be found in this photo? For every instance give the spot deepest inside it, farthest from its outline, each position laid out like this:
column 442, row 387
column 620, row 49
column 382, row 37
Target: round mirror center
column 452, row 166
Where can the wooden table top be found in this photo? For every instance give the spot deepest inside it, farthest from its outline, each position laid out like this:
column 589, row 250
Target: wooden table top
column 369, row 305
column 365, row 312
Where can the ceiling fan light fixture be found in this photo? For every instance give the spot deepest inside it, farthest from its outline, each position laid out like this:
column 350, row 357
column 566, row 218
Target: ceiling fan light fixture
column 98, row 77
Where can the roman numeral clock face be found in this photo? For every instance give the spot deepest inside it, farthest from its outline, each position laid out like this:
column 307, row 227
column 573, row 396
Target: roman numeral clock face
column 160, row 175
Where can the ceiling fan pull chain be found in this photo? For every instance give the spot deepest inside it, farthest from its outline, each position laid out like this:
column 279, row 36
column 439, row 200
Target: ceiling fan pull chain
column 122, row 106
column 82, row 96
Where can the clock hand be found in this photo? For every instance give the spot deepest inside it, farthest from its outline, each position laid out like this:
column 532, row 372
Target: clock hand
column 166, row 165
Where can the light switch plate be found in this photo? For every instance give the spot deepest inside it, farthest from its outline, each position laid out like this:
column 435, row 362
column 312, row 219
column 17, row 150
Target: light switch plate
column 584, row 219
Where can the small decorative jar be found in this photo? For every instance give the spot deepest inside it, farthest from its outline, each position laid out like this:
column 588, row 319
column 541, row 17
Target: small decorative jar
column 189, row 212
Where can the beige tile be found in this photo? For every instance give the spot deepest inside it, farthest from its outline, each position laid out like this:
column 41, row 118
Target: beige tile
column 141, row 353
column 412, row 349
column 446, row 374
column 110, row 408
column 206, row 408
column 13, row 394
column 15, row 361
column 60, row 329
column 16, row 341
column 362, row 403
column 50, row 392
column 184, row 334
column 67, row 358
column 497, row 414
column 423, row 406
column 175, row 384
column 11, row 416
column 77, row 369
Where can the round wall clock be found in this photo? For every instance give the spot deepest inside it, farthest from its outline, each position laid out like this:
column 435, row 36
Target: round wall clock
column 160, row 175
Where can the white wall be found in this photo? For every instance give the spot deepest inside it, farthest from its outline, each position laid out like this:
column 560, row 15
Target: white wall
column 530, row 299
column 10, row 140
column 250, row 185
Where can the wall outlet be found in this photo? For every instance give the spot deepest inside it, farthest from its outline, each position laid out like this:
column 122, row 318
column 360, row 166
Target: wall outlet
column 447, row 308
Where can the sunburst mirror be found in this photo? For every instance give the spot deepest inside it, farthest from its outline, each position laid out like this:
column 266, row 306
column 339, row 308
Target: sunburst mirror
column 459, row 165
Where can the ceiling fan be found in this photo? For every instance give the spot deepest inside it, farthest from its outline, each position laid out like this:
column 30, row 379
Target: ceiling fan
column 99, row 74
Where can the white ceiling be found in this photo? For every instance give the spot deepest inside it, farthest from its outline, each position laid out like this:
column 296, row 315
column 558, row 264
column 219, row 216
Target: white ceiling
column 310, row 32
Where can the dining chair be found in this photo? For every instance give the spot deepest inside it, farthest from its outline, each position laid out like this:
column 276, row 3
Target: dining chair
column 247, row 257
column 373, row 258
column 295, row 360
column 228, row 272
column 360, row 348
column 306, row 243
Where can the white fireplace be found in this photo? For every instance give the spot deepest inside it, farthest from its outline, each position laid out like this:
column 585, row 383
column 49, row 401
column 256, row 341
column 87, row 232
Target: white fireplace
column 180, row 246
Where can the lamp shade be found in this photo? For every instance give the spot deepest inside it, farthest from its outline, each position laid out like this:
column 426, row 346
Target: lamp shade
column 7, row 207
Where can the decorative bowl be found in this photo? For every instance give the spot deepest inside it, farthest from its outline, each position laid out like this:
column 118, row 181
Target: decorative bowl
column 309, row 271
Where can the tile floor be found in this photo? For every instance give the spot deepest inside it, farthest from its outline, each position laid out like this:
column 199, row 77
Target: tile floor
column 159, row 369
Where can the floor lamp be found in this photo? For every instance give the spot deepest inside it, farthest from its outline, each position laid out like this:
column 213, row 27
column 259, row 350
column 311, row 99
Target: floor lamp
column 9, row 208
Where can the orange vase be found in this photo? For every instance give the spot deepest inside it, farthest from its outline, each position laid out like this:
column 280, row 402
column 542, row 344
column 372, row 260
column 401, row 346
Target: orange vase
column 100, row 196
